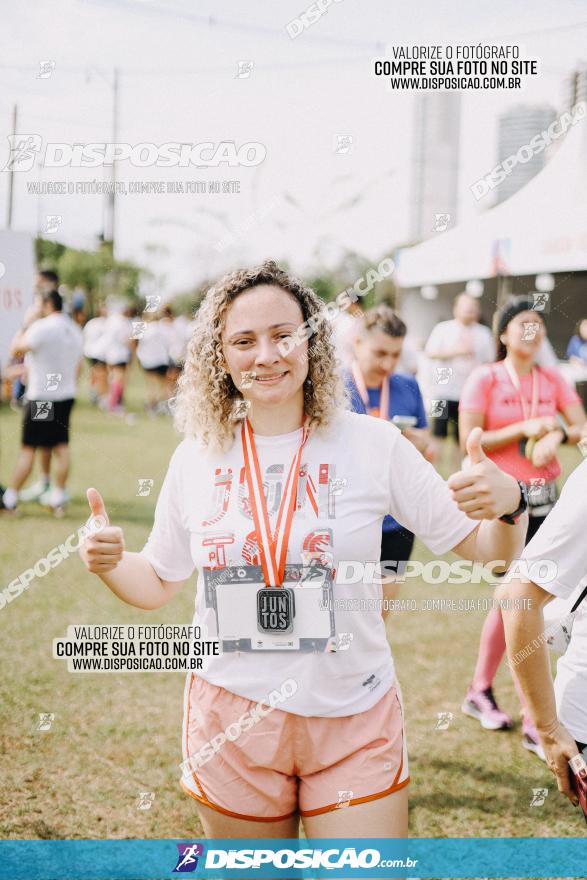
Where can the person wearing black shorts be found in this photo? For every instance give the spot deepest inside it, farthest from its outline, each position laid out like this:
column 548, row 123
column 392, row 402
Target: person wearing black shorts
column 396, row 544
column 46, row 423
column 450, row 416
column 161, row 370
column 53, row 346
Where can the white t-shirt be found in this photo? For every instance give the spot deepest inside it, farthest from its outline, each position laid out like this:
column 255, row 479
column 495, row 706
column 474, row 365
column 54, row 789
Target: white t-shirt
column 384, row 473
column 179, row 332
column 56, row 344
column 450, row 335
column 153, row 346
column 117, row 334
column 94, row 338
column 561, row 538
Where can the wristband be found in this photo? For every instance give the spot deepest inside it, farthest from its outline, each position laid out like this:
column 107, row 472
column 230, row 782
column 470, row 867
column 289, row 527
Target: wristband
column 512, row 518
column 561, row 427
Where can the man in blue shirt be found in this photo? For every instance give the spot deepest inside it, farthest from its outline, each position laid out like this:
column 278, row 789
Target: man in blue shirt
column 577, row 347
column 376, row 390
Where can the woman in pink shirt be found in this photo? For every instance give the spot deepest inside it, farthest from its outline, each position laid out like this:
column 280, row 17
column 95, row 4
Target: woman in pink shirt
column 517, row 403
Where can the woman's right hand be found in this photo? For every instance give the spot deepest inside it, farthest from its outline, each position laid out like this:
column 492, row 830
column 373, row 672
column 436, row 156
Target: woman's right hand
column 539, row 427
column 101, row 551
column 559, row 748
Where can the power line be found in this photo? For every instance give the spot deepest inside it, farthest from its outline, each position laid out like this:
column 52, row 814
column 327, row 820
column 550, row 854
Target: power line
column 198, row 71
column 241, row 27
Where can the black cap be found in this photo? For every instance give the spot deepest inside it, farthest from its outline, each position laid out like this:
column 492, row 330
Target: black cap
column 510, row 311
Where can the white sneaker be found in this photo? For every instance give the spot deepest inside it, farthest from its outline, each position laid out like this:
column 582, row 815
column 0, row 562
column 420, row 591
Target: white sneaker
column 9, row 499
column 54, row 497
column 34, row 492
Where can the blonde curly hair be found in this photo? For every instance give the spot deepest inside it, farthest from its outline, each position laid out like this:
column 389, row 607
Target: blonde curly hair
column 207, row 396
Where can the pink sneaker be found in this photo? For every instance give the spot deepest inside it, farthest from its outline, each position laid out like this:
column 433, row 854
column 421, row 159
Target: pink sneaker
column 531, row 740
column 482, row 706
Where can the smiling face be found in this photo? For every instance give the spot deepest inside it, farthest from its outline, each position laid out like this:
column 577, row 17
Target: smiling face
column 524, row 334
column 256, row 322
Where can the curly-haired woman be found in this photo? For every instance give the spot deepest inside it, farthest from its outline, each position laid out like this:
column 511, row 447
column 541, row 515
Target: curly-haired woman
column 298, row 483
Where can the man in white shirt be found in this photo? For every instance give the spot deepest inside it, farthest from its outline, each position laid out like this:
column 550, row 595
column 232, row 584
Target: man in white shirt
column 53, row 347
column 556, row 565
column 454, row 348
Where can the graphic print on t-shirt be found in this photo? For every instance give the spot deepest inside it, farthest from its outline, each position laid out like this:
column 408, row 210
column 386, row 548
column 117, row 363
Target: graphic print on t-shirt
column 222, row 486
column 322, row 501
column 239, row 557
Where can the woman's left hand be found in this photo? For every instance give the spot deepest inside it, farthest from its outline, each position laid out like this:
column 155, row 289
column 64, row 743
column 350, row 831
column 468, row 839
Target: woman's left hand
column 546, row 448
column 484, row 491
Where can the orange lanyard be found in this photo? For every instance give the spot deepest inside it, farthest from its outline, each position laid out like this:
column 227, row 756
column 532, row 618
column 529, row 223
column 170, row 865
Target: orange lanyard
column 515, row 380
column 272, row 547
column 364, row 394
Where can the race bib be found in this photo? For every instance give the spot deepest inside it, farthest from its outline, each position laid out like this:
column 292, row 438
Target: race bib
column 297, row 616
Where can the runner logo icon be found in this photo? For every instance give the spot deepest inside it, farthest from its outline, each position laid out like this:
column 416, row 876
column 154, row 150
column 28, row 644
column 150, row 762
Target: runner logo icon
column 187, row 860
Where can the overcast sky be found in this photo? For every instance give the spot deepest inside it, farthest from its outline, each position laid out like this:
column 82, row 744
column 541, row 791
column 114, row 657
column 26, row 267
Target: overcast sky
column 178, row 82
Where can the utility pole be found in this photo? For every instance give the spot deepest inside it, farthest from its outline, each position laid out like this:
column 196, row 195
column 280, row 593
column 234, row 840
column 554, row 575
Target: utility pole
column 112, row 195
column 11, row 174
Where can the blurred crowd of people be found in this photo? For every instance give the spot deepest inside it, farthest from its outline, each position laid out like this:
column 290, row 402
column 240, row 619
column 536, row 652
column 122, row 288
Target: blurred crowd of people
column 118, row 333
column 46, row 367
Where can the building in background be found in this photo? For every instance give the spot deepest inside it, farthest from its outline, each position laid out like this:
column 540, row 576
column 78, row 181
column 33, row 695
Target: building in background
column 516, row 128
column 435, row 163
column 575, row 86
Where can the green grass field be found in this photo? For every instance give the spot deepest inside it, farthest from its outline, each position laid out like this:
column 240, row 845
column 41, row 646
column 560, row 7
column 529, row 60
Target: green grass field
column 115, row 735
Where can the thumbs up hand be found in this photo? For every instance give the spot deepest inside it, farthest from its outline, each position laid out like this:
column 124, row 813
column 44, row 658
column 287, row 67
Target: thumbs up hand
column 102, row 549
column 97, row 506
column 474, row 447
column 483, row 491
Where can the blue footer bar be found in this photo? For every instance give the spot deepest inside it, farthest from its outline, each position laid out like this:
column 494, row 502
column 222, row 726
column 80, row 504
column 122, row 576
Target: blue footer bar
column 371, row 857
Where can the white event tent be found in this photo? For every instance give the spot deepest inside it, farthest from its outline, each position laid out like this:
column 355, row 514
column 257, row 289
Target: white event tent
column 542, row 228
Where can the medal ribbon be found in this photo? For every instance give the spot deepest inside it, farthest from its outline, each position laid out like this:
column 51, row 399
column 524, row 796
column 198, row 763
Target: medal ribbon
column 515, row 380
column 273, row 547
column 364, row 394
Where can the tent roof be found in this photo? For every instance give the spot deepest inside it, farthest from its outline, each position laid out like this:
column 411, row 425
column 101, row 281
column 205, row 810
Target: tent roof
column 542, row 228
